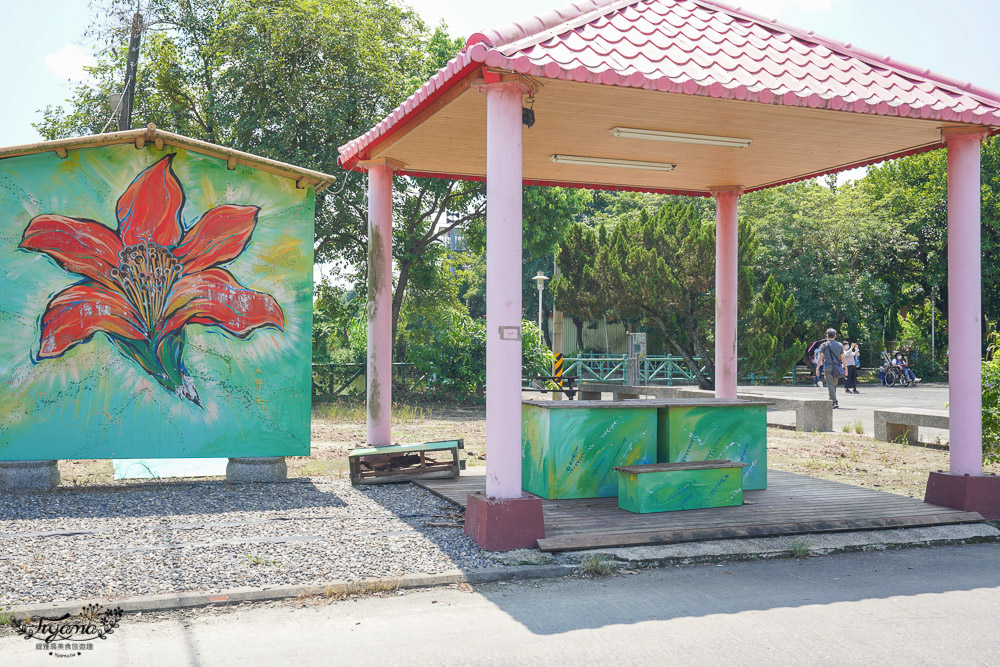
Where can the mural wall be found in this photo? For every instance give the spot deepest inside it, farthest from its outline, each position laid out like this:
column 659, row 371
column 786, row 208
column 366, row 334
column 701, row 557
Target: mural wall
column 155, row 304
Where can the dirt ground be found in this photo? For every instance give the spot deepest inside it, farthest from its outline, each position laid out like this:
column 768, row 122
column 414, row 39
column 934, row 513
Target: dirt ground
column 850, row 458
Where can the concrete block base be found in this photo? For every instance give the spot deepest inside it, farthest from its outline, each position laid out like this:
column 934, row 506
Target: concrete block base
column 29, row 475
column 254, row 469
column 502, row 525
column 972, row 493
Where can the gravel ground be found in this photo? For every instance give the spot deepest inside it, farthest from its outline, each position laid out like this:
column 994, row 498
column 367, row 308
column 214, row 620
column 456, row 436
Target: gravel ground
column 117, row 540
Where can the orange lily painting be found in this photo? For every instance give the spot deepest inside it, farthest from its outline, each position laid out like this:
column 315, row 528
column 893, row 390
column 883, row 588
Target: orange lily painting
column 157, row 303
column 143, row 284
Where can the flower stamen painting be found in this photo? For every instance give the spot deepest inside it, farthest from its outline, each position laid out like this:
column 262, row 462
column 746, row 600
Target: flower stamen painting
column 143, row 284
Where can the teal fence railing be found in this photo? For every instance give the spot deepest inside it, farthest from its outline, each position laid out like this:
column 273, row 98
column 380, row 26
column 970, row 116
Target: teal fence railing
column 667, row 370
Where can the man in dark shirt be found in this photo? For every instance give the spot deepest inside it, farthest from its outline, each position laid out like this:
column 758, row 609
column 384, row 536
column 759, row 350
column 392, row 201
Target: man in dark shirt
column 831, row 352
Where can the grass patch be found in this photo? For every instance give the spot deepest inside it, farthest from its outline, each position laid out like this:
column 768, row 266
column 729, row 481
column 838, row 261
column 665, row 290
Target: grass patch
column 854, row 427
column 346, row 411
column 257, row 560
column 6, row 615
column 800, row 549
column 360, row 589
column 596, row 565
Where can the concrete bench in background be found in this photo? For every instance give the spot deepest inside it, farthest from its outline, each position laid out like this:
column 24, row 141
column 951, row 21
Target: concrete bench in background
column 895, row 423
column 811, row 414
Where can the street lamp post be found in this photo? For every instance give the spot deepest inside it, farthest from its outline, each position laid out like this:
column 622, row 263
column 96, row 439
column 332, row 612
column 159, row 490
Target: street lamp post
column 540, row 281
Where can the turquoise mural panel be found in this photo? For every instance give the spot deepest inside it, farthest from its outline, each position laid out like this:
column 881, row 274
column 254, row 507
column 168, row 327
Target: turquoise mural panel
column 156, row 305
column 570, row 452
column 535, row 470
column 669, row 491
column 716, row 432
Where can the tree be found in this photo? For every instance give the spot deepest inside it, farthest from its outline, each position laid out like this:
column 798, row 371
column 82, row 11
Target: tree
column 845, row 264
column 659, row 271
column 770, row 342
column 575, row 291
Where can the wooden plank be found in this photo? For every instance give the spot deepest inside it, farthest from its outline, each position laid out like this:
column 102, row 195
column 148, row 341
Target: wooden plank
column 415, row 447
column 794, row 504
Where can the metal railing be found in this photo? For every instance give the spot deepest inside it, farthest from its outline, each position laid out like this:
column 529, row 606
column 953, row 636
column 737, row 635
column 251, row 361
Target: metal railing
column 330, row 380
column 668, row 369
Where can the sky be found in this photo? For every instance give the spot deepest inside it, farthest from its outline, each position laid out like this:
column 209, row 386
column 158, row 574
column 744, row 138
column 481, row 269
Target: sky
column 43, row 49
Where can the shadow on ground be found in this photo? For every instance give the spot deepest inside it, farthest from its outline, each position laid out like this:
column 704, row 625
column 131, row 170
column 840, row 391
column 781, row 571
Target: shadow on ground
column 705, row 590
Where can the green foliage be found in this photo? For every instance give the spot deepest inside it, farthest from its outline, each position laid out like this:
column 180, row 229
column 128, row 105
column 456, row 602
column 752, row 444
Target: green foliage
column 991, row 410
column 335, row 309
column 654, row 270
column 845, row 265
column 454, row 356
column 915, row 337
column 575, row 291
column 770, row 344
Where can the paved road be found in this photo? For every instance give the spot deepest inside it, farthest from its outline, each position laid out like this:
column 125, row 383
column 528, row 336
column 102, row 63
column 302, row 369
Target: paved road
column 918, row 606
column 863, row 405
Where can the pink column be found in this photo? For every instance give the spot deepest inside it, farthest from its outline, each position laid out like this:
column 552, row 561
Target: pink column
column 503, row 290
column 964, row 301
column 726, row 268
column 379, row 305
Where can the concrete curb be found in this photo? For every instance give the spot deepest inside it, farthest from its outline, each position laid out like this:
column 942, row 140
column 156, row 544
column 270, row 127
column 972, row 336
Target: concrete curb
column 175, row 601
column 646, row 557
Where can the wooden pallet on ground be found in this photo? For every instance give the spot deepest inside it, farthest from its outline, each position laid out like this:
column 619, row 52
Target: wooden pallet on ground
column 406, row 462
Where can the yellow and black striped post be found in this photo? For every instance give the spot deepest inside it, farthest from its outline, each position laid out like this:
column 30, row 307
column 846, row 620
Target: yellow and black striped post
column 557, row 368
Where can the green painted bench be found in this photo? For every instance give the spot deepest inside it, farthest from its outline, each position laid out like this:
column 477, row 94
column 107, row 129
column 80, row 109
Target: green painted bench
column 402, row 463
column 668, row 487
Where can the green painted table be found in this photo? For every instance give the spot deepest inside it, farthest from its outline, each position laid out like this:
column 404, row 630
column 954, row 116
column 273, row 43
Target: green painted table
column 702, row 430
column 569, row 448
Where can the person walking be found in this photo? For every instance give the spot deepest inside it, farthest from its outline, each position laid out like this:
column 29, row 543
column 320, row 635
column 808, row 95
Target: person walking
column 818, row 365
column 852, row 356
column 832, row 359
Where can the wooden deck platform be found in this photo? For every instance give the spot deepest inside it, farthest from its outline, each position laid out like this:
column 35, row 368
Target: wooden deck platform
column 792, row 504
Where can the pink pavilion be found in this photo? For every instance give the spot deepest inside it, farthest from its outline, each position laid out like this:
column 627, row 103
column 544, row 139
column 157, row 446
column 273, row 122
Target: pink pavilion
column 672, row 96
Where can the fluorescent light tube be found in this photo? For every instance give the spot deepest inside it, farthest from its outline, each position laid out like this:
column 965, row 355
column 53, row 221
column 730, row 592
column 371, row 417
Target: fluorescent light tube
column 611, row 162
column 679, row 137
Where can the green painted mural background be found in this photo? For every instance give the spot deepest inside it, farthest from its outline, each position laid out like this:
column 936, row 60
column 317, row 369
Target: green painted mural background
column 92, row 402
column 570, row 453
column 709, row 433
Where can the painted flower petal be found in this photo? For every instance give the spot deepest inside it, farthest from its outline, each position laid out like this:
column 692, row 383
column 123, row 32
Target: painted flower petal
column 220, row 236
column 81, row 246
column 74, row 315
column 215, row 298
column 150, row 209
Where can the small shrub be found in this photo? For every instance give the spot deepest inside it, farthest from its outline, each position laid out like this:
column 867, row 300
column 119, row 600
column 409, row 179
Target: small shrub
column 800, row 549
column 596, row 565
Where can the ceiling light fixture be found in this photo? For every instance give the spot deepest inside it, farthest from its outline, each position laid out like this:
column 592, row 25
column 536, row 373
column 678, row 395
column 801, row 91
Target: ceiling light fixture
column 679, row 137
column 611, row 162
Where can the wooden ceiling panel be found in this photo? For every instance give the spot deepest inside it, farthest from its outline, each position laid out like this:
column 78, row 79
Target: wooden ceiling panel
column 576, row 119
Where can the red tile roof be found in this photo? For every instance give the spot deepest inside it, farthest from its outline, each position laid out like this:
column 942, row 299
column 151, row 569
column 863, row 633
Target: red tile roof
column 695, row 47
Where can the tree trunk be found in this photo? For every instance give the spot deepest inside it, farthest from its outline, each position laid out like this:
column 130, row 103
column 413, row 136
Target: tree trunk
column 578, row 323
column 397, row 300
column 703, row 381
column 699, row 347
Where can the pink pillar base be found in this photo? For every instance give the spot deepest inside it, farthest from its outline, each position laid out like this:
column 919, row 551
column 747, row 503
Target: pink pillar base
column 972, row 493
column 502, row 525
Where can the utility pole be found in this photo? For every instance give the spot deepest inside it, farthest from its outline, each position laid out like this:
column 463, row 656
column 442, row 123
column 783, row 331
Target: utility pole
column 131, row 67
